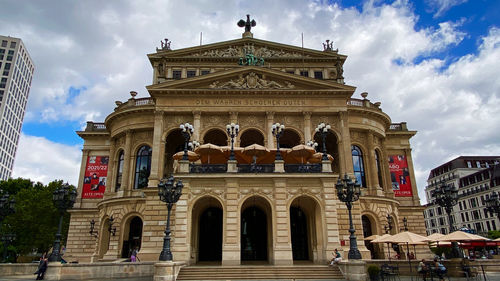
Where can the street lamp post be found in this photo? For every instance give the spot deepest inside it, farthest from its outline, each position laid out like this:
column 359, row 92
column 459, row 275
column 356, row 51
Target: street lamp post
column 405, row 223
column 323, row 130
column 169, row 193
column 186, row 130
column 232, row 131
column 64, row 198
column 278, row 130
column 493, row 204
column 348, row 192
column 447, row 196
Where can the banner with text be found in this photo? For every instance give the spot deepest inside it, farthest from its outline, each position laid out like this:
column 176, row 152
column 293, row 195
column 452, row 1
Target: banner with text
column 94, row 181
column 400, row 176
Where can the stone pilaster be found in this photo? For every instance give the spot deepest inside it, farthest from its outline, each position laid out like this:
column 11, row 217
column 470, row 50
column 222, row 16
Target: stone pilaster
column 231, row 243
column 331, row 217
column 196, row 125
column 85, row 155
column 128, row 174
column 414, row 190
column 283, row 250
column 269, row 129
column 371, row 167
column 345, row 145
column 180, row 239
column 307, row 126
column 155, row 175
column 112, row 164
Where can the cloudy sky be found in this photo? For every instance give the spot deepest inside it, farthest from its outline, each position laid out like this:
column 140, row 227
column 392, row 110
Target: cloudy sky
column 432, row 63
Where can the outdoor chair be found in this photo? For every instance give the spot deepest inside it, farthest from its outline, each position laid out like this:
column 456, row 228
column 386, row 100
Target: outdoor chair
column 389, row 272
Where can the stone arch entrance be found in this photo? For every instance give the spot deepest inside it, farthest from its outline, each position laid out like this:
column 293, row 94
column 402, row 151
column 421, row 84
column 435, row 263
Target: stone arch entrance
column 368, row 230
column 104, row 238
column 216, row 136
column 305, row 230
column 251, row 136
column 289, row 139
column 174, row 143
column 332, row 148
column 132, row 237
column 256, row 230
column 207, row 230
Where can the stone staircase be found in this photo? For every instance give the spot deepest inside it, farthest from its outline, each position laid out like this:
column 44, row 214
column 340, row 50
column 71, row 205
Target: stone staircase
column 260, row 272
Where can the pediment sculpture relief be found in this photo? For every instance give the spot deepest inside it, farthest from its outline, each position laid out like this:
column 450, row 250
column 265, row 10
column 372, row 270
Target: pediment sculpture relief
column 250, row 81
column 239, row 51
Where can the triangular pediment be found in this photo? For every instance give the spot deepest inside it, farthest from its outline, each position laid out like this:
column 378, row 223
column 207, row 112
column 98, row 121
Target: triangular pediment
column 251, row 78
column 238, row 48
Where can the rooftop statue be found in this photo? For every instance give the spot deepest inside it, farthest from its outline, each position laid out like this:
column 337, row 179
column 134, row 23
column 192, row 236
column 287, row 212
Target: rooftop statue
column 248, row 24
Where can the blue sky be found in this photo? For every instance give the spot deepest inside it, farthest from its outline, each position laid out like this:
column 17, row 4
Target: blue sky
column 431, row 63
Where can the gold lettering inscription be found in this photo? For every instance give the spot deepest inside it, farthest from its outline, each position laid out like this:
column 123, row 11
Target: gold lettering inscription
column 249, row 102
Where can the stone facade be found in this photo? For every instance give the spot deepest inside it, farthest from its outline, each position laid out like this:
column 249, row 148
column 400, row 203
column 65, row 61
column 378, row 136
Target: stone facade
column 206, row 87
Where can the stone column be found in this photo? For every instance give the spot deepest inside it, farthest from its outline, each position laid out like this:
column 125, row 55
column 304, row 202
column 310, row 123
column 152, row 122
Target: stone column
column 155, row 176
column 307, row 126
column 414, row 190
column 345, row 145
column 386, row 174
column 331, row 220
column 180, row 244
column 197, row 125
column 128, row 158
column 231, row 240
column 85, row 155
column 372, row 164
column 111, row 177
column 269, row 128
column 283, row 250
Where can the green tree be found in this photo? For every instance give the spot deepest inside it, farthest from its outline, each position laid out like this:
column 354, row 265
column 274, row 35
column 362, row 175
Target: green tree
column 493, row 234
column 36, row 219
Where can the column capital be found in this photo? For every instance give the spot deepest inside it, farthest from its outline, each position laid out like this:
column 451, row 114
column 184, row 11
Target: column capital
column 307, row 114
column 159, row 113
column 270, row 114
column 196, row 114
column 233, row 114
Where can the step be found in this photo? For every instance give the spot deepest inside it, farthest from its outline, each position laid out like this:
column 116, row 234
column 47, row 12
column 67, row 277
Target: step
column 264, row 272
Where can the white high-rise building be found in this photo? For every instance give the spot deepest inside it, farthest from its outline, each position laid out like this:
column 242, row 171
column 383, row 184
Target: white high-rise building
column 16, row 71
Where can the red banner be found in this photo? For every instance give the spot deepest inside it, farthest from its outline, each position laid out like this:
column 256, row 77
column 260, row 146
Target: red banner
column 94, row 181
column 400, row 176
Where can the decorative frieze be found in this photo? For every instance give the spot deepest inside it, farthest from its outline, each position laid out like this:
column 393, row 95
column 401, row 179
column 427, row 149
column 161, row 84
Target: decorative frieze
column 251, row 81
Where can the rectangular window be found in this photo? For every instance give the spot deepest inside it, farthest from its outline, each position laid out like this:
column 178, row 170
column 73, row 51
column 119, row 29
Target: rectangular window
column 493, row 225
column 12, row 45
column 463, row 218
column 488, row 225
column 205, row 72
column 4, row 43
column 467, row 216
column 478, row 164
column 318, row 74
column 176, row 74
column 440, row 212
column 191, row 73
column 304, row 73
column 290, row 72
column 3, row 82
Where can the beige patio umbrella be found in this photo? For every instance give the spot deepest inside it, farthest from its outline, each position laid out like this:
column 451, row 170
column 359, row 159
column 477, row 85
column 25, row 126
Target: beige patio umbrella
column 381, row 239
column 302, row 151
column 372, row 237
column 318, row 157
column 192, row 156
column 409, row 238
column 460, row 236
column 210, row 150
column 498, row 239
column 255, row 150
column 434, row 236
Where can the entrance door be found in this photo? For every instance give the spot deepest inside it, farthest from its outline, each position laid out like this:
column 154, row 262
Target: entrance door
column 210, row 243
column 253, row 235
column 298, row 225
column 134, row 237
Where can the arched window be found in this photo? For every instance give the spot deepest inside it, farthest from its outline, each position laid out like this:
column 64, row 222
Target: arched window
column 379, row 168
column 250, row 137
column 289, row 139
column 119, row 170
column 142, row 167
column 216, row 136
column 357, row 163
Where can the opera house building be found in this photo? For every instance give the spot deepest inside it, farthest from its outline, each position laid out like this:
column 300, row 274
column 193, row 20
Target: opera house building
column 259, row 134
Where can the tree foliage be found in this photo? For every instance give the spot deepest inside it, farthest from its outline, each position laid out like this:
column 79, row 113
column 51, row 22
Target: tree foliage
column 493, row 234
column 36, row 219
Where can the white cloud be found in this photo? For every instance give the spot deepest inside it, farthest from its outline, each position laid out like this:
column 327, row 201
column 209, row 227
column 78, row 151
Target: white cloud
column 39, row 159
column 102, row 47
column 439, row 7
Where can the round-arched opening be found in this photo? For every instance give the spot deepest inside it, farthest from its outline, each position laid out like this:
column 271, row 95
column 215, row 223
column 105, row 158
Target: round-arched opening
column 368, row 230
column 289, row 139
column 207, row 227
column 173, row 144
column 133, row 236
column 332, row 148
column 256, row 230
column 251, row 136
column 305, row 230
column 216, row 136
